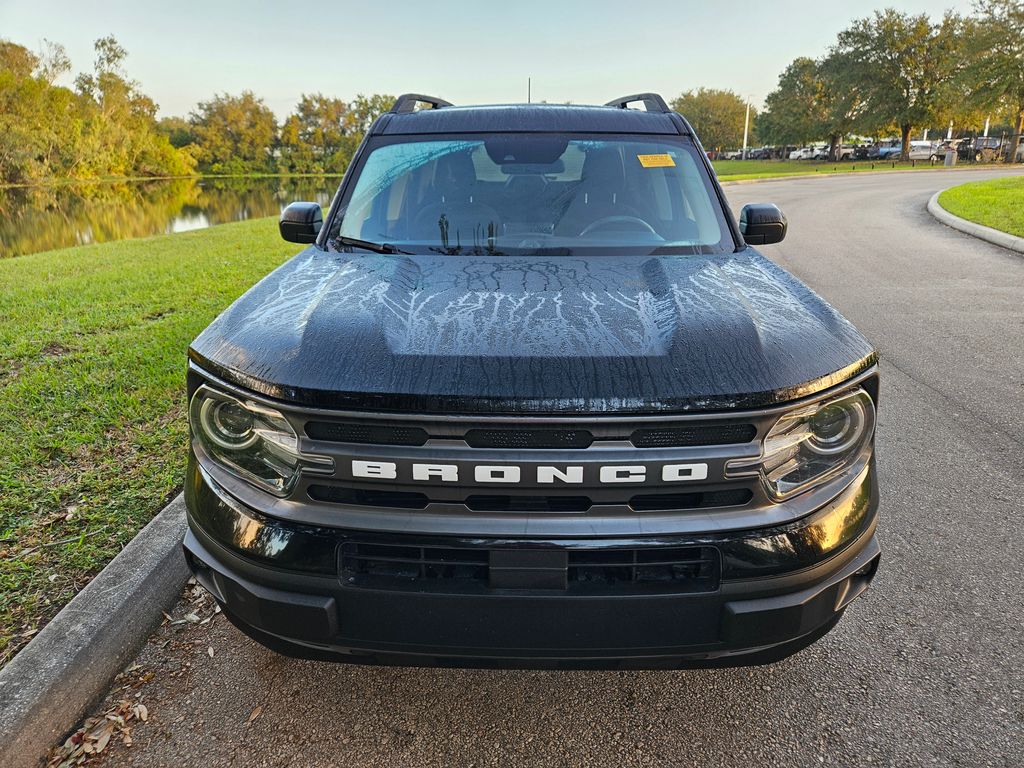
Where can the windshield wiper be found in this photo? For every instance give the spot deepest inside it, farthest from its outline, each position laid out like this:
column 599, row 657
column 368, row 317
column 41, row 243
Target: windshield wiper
column 369, row 245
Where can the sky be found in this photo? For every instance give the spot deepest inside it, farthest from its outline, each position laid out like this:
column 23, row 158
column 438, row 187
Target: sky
column 468, row 52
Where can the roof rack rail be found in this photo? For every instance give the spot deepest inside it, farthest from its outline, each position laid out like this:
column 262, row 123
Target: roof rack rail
column 652, row 101
column 407, row 102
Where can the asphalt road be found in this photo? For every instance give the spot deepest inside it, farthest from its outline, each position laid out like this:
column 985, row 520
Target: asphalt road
column 926, row 668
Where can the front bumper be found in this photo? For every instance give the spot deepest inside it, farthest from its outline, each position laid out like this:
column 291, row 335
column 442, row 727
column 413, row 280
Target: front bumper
column 777, row 590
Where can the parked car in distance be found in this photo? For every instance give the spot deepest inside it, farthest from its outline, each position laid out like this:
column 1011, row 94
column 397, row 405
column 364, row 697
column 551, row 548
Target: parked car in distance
column 806, row 153
column 883, row 150
column 922, row 150
column 981, row 149
column 530, row 397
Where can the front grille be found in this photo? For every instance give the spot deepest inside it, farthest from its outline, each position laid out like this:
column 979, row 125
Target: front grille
column 529, row 438
column 500, row 503
column 695, row 434
column 377, row 434
column 462, row 569
column 732, row 497
column 493, row 502
column 367, row 498
column 514, row 437
column 455, row 465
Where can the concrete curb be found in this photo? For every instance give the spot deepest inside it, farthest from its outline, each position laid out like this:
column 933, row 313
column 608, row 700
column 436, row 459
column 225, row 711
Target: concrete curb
column 994, row 236
column 47, row 688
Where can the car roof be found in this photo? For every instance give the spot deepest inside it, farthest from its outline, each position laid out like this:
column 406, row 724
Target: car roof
column 518, row 118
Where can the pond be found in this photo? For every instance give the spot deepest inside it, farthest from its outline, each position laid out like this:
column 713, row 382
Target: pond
column 42, row 218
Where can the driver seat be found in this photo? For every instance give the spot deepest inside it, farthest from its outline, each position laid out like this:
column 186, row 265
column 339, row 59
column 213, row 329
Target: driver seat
column 600, row 193
column 453, row 196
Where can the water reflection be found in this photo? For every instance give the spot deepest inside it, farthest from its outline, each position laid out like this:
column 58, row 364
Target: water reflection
column 43, row 218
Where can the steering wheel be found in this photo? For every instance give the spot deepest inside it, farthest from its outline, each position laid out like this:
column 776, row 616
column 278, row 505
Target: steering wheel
column 605, row 220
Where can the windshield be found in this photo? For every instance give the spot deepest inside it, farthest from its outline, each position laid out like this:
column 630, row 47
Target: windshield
column 530, row 193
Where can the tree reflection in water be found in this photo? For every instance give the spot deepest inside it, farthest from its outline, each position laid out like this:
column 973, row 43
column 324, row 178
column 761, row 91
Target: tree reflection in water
column 43, row 218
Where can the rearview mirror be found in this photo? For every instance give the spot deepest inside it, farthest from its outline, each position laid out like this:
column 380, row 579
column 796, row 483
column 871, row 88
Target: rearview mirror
column 301, row 222
column 762, row 224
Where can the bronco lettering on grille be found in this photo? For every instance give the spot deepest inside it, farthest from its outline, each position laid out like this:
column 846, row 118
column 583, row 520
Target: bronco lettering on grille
column 512, row 473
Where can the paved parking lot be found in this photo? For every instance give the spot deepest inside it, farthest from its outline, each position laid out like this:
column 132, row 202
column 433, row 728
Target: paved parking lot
column 926, row 668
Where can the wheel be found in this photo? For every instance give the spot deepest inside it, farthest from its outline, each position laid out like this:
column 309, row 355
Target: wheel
column 978, row 157
column 933, row 158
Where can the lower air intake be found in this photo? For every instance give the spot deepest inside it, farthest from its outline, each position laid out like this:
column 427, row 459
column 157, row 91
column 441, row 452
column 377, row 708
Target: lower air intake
column 461, row 569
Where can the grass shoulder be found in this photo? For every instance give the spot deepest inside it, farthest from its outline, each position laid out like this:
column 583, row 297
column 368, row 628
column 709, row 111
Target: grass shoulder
column 92, row 366
column 997, row 203
column 740, row 170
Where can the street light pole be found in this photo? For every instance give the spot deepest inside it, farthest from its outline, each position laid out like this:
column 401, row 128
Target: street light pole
column 746, row 130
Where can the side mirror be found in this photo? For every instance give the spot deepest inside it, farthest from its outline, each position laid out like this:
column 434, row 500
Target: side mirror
column 301, row 222
column 762, row 224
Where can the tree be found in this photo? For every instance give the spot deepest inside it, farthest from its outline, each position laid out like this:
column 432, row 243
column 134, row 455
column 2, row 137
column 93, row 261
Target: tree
column 235, row 134
column 17, row 59
column 296, row 155
column 365, row 109
column 178, row 131
column 994, row 76
column 796, row 112
column 106, row 126
column 313, row 136
column 901, row 67
column 322, row 123
column 717, row 116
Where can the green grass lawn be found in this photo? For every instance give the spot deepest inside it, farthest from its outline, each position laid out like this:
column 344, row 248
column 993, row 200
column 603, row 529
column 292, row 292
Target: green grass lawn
column 92, row 411
column 737, row 170
column 998, row 203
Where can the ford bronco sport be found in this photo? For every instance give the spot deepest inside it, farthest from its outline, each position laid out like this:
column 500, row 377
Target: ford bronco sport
column 531, row 398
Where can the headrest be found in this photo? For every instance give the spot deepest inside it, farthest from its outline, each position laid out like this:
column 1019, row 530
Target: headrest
column 455, row 171
column 602, row 168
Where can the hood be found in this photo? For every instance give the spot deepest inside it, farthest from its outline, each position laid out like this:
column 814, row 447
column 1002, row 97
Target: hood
column 543, row 334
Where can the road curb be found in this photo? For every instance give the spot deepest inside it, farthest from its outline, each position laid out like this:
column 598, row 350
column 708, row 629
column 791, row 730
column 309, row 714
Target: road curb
column 49, row 686
column 994, row 236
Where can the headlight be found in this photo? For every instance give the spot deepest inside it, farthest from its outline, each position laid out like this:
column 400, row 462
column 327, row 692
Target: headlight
column 810, row 445
column 255, row 442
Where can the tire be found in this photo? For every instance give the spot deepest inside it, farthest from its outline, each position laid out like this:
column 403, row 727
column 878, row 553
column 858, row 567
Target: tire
column 933, row 158
column 978, row 157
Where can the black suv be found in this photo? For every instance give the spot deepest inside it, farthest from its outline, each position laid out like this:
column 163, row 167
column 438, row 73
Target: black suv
column 530, row 398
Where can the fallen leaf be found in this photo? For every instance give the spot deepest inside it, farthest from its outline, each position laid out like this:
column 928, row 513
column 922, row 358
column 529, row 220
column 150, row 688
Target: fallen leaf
column 104, row 739
column 254, row 714
column 210, row 651
column 141, row 712
column 191, row 617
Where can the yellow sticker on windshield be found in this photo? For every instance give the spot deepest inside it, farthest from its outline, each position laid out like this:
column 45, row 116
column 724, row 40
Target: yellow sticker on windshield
column 656, row 161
